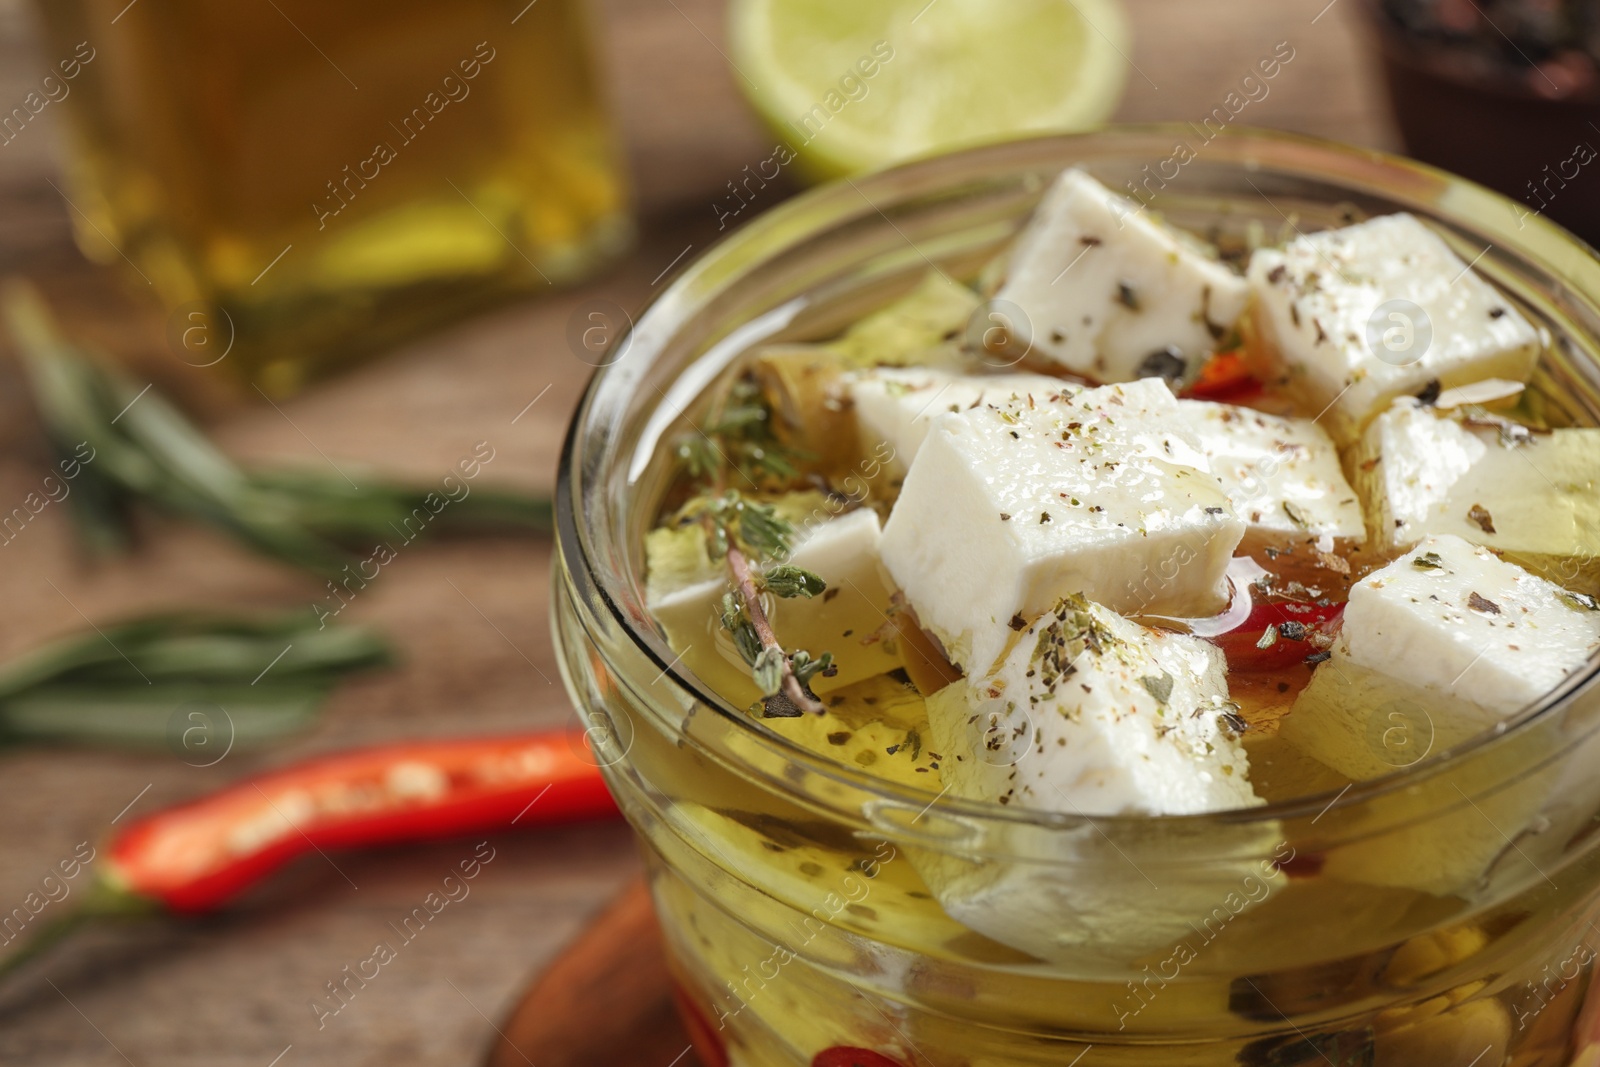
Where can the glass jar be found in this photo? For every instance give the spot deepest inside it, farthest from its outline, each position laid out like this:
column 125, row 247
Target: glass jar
column 303, row 184
column 800, row 897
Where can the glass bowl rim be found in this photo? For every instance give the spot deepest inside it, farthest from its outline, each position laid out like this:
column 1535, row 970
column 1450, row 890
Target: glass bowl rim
column 1548, row 244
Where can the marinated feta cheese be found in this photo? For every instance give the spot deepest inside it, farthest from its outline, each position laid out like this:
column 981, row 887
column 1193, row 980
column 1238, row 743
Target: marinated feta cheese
column 1092, row 714
column 1011, row 505
column 1112, row 294
column 895, row 406
column 845, row 619
column 1354, row 317
column 1449, row 638
column 1438, row 647
column 1281, row 475
column 1532, row 497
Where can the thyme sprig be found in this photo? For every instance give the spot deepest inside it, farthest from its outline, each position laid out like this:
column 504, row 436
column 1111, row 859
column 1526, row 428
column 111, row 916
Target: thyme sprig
column 738, row 439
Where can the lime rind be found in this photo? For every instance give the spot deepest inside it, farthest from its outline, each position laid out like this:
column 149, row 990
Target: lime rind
column 850, row 86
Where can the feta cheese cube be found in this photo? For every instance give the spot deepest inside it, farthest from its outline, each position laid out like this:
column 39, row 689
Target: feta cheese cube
column 1450, row 639
column 1325, row 299
column 1440, row 646
column 1011, row 505
column 895, row 406
column 1091, row 714
column 1454, row 618
column 844, row 553
column 1528, row 496
column 1111, row 294
column 1281, row 475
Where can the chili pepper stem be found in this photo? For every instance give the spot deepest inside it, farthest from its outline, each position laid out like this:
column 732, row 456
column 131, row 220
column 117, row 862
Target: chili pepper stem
column 103, row 900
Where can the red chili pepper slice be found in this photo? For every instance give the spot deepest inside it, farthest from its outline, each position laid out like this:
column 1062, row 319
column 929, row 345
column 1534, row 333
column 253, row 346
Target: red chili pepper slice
column 1225, row 377
column 1294, row 623
column 199, row 855
column 841, row 1056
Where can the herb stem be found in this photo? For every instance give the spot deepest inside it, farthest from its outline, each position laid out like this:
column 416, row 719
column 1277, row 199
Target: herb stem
column 791, row 688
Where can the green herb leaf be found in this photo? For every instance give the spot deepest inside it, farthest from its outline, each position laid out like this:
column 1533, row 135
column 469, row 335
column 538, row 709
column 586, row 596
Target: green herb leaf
column 1428, row 561
column 1158, row 685
column 767, row 669
column 124, row 683
column 786, row 580
column 805, row 668
column 129, row 444
column 762, row 529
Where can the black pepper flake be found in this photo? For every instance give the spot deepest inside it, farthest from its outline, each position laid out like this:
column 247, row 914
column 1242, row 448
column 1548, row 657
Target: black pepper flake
column 1167, row 363
column 1215, row 511
column 1018, row 622
column 838, row 737
column 1277, row 274
column 1317, row 657
column 1430, row 393
column 1293, row 631
column 1283, row 687
column 1044, row 517
column 1480, row 515
column 1482, row 604
column 1089, row 242
column 1234, row 723
column 1127, row 297
column 1004, row 517
column 1495, row 313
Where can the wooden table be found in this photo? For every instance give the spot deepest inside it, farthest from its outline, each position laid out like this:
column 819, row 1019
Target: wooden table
column 470, row 616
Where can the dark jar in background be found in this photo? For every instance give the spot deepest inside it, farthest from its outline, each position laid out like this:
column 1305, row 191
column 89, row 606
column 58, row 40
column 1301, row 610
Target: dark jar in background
column 1505, row 92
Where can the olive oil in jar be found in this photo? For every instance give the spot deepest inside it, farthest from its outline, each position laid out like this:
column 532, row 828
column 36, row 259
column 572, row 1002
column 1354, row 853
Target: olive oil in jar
column 311, row 183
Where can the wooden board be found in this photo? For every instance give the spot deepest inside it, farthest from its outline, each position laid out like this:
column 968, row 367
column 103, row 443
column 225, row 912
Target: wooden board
column 606, row 999
column 470, row 617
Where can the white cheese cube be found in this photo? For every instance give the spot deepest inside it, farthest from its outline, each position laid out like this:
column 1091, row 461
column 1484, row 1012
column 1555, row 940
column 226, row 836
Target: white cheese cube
column 1454, row 618
column 844, row 553
column 1281, row 475
column 1440, row 646
column 1091, row 714
column 895, row 406
column 1325, row 299
column 1533, row 497
column 1437, row 647
column 1011, row 506
column 1112, row 294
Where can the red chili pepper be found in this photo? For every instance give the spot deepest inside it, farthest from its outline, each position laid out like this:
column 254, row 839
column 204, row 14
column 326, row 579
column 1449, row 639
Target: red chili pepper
column 840, row 1056
column 197, row 856
column 1294, row 623
column 1225, row 377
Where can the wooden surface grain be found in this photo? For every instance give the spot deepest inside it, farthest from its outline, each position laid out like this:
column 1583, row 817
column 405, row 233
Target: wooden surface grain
column 469, row 616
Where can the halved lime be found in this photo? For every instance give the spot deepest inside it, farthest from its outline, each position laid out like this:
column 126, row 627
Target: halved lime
column 854, row 84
